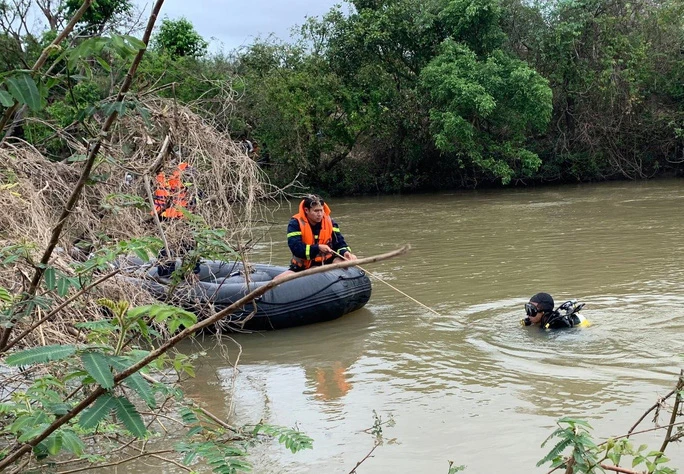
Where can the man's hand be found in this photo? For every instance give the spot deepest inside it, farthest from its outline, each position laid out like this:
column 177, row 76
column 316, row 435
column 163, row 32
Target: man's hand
column 324, row 249
column 349, row 256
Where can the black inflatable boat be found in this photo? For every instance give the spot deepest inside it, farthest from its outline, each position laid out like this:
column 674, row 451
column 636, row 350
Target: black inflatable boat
column 310, row 299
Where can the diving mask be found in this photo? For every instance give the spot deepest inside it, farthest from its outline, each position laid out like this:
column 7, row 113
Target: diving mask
column 531, row 310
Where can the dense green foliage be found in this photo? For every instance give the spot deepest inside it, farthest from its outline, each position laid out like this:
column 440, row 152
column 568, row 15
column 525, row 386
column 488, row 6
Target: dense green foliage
column 100, row 14
column 617, row 71
column 178, row 39
column 407, row 95
column 396, row 96
column 404, row 95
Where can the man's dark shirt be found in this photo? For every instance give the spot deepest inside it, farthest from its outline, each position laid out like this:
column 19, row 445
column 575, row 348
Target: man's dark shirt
column 298, row 247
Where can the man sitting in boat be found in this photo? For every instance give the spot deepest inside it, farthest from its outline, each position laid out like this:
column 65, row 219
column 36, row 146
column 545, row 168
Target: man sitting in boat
column 540, row 311
column 314, row 237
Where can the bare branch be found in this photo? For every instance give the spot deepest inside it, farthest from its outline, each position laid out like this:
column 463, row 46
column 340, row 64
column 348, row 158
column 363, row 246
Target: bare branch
column 18, row 452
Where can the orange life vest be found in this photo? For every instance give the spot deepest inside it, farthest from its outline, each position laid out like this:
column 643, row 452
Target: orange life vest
column 324, row 237
column 171, row 194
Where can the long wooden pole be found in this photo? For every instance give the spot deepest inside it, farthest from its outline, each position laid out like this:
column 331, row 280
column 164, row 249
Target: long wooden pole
column 18, row 451
column 393, row 287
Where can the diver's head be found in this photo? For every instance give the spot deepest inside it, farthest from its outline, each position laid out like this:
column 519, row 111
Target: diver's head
column 539, row 305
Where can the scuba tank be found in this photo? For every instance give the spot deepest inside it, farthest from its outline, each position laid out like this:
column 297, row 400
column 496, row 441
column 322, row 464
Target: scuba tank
column 570, row 307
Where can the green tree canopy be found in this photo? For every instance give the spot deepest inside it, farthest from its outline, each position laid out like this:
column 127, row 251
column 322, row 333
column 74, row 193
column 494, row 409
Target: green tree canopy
column 178, row 38
column 100, row 13
column 423, row 90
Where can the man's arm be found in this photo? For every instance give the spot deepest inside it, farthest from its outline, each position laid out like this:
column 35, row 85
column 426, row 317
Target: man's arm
column 339, row 245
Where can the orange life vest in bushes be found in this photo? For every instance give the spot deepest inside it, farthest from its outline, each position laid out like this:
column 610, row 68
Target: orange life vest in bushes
column 171, row 194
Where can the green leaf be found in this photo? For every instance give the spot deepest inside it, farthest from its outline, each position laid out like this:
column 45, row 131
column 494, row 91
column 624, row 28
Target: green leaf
column 142, row 388
column 574, row 421
column 32, row 432
column 40, row 452
column 6, row 99
column 75, row 158
column 22, row 423
column 71, row 442
column 93, row 415
column 101, row 325
column 104, row 64
column 292, row 439
column 53, row 443
column 173, row 325
column 139, row 310
column 58, row 408
column 188, row 416
column 43, row 303
column 129, row 416
column 98, row 367
column 118, row 107
column 49, row 276
column 5, row 295
column 118, row 43
column 63, row 285
column 135, row 42
column 193, row 431
column 141, row 254
column 144, row 330
column 23, row 88
column 40, row 355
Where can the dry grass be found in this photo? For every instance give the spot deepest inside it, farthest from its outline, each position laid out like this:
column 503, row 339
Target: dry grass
column 233, row 194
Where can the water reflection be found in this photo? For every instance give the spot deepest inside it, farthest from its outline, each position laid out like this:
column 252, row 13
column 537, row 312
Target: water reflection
column 470, row 384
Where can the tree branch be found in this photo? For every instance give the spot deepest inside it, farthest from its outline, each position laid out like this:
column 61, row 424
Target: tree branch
column 17, row 452
column 58, row 309
column 673, row 416
column 43, row 57
column 90, row 161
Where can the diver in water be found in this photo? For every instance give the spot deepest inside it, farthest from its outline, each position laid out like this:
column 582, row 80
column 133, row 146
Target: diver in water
column 540, row 311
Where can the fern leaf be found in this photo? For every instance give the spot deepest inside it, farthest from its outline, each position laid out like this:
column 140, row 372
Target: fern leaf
column 98, row 367
column 107, row 303
column 142, row 388
column 93, row 415
column 188, row 416
column 130, row 417
column 72, row 443
column 556, row 451
column 41, row 355
column 53, row 443
column 49, row 277
column 5, row 295
column 292, row 439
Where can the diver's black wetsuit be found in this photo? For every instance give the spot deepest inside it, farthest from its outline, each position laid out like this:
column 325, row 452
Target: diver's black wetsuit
column 556, row 320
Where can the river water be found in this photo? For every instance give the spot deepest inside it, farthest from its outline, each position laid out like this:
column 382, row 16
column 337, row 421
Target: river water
column 469, row 384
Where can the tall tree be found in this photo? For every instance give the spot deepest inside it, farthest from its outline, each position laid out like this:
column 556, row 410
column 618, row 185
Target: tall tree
column 100, row 14
column 616, row 70
column 422, row 68
column 178, row 38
